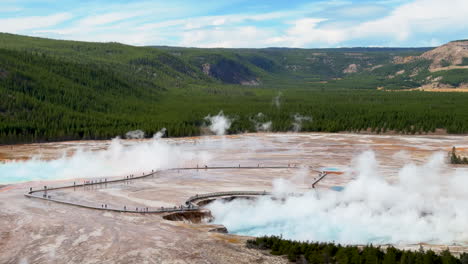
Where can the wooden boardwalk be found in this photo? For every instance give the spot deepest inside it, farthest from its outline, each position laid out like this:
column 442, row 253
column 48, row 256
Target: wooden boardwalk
column 190, row 204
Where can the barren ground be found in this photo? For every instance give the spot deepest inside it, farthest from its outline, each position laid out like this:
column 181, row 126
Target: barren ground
column 36, row 231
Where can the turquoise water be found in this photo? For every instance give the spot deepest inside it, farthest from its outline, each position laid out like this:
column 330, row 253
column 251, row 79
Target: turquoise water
column 330, row 169
column 33, row 170
column 337, row 188
column 117, row 160
column 301, row 218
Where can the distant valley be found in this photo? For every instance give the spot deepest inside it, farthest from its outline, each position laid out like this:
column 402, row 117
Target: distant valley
column 62, row 90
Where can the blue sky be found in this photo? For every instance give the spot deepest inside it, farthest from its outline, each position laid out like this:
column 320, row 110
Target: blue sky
column 240, row 23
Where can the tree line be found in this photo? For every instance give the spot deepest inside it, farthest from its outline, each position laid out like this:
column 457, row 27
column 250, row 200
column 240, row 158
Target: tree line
column 330, row 253
column 70, row 91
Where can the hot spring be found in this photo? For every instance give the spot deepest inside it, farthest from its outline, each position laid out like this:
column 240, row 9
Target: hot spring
column 426, row 203
column 423, row 200
column 113, row 158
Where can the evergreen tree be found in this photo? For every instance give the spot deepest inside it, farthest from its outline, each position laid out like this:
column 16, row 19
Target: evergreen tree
column 390, row 256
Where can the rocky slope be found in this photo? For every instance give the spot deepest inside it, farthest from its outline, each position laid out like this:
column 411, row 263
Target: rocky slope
column 450, row 54
column 440, row 69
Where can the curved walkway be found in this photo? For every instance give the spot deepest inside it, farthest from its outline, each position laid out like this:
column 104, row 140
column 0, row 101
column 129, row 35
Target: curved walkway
column 188, row 206
column 191, row 200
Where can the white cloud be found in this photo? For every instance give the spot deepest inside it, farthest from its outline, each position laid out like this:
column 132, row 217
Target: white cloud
column 227, row 37
column 308, row 30
column 93, row 23
column 108, row 18
column 221, row 20
column 20, row 24
column 403, row 23
column 7, row 9
column 361, row 11
column 318, row 24
column 320, row 7
column 162, row 24
column 420, row 16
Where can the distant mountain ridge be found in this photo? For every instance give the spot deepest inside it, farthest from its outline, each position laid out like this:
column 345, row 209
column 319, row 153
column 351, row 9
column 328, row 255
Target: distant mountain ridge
column 254, row 66
column 389, row 68
column 453, row 53
column 444, row 67
column 63, row 90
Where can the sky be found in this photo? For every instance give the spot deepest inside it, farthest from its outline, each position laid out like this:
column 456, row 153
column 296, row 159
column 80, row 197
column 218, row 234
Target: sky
column 241, row 23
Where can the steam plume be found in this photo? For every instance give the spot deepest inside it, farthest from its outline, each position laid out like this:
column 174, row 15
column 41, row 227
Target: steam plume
column 119, row 159
column 160, row 134
column 135, row 134
column 277, row 100
column 427, row 204
column 219, row 123
column 260, row 122
column 298, row 120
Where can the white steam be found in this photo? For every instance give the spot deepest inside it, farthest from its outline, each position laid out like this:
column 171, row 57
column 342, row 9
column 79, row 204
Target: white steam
column 135, row 134
column 277, row 100
column 219, row 123
column 263, row 126
column 427, row 204
column 298, row 120
column 260, row 123
column 283, row 187
column 119, row 159
column 160, row 134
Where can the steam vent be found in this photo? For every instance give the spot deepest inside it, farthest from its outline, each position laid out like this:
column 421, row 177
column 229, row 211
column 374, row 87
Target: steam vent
column 234, row 132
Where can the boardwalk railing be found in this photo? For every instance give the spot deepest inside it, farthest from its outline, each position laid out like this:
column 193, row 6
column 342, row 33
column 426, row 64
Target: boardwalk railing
column 191, row 200
column 321, row 176
column 189, row 204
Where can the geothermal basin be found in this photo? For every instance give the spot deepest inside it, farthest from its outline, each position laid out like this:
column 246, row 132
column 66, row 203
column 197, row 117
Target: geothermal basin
column 393, row 190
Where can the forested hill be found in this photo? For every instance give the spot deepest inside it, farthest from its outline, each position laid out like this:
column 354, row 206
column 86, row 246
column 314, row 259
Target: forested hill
column 60, row 90
column 258, row 66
